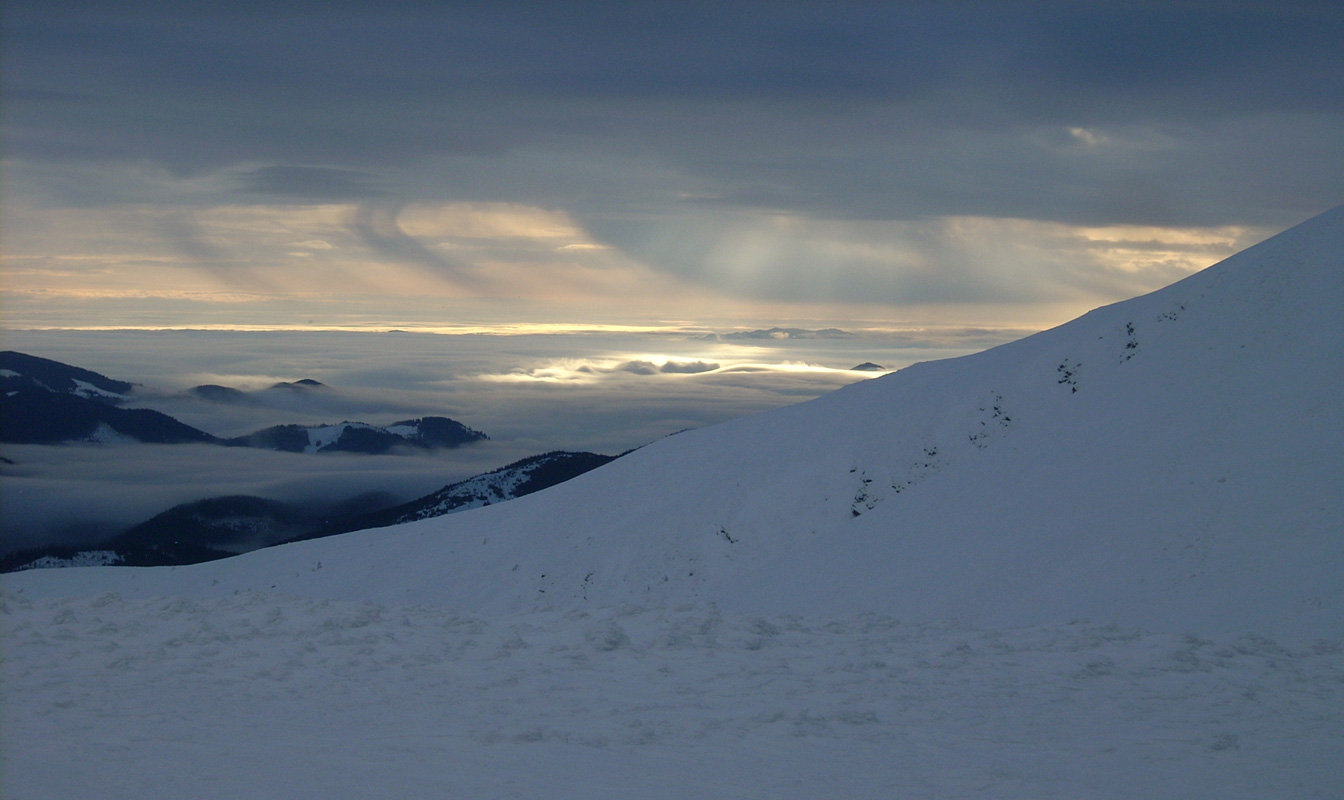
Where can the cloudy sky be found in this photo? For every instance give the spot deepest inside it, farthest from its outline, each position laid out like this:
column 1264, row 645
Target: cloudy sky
column 711, row 165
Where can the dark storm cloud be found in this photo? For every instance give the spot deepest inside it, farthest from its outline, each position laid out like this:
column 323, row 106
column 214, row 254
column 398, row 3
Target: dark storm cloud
column 355, row 51
column 889, row 109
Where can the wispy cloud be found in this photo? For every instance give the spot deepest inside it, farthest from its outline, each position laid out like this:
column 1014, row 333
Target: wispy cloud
column 377, row 227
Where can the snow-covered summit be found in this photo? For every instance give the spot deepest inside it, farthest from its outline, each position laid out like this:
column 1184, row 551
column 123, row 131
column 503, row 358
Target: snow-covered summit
column 522, row 477
column 361, row 437
column 1173, row 461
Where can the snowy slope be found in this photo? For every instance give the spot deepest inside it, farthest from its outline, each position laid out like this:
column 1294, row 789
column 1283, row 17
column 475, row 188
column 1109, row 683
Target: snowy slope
column 21, row 371
column 1172, row 461
column 522, row 477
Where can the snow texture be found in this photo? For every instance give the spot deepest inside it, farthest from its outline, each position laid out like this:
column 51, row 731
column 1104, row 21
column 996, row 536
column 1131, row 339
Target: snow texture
column 323, row 436
column 480, row 490
column 83, row 558
column 1103, row 561
column 500, row 485
column 104, row 433
column 88, row 390
column 273, row 696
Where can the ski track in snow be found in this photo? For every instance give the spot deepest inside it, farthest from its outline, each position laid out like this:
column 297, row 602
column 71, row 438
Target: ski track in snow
column 264, row 695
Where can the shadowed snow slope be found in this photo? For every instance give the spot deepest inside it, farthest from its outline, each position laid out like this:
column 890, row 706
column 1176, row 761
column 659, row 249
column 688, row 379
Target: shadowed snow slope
column 1172, row 461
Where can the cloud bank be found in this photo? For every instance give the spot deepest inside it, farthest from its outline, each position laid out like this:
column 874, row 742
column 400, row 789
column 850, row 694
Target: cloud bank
column 604, row 392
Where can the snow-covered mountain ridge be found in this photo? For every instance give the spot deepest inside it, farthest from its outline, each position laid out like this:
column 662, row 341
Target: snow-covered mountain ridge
column 361, row 437
column 46, row 402
column 509, row 482
column 1172, row 462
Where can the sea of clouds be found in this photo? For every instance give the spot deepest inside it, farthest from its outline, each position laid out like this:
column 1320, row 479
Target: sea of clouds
column 601, row 391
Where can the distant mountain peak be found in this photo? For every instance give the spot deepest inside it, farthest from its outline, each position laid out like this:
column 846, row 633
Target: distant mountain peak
column 47, row 402
column 301, row 385
column 427, row 433
column 20, row 370
column 223, row 395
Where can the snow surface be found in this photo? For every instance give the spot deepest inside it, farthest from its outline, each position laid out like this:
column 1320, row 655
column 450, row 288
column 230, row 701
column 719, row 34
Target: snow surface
column 83, row 558
column 481, row 490
column 1103, row 561
column 88, row 390
column 320, row 436
column 497, row 486
column 275, row 696
column 106, row 434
